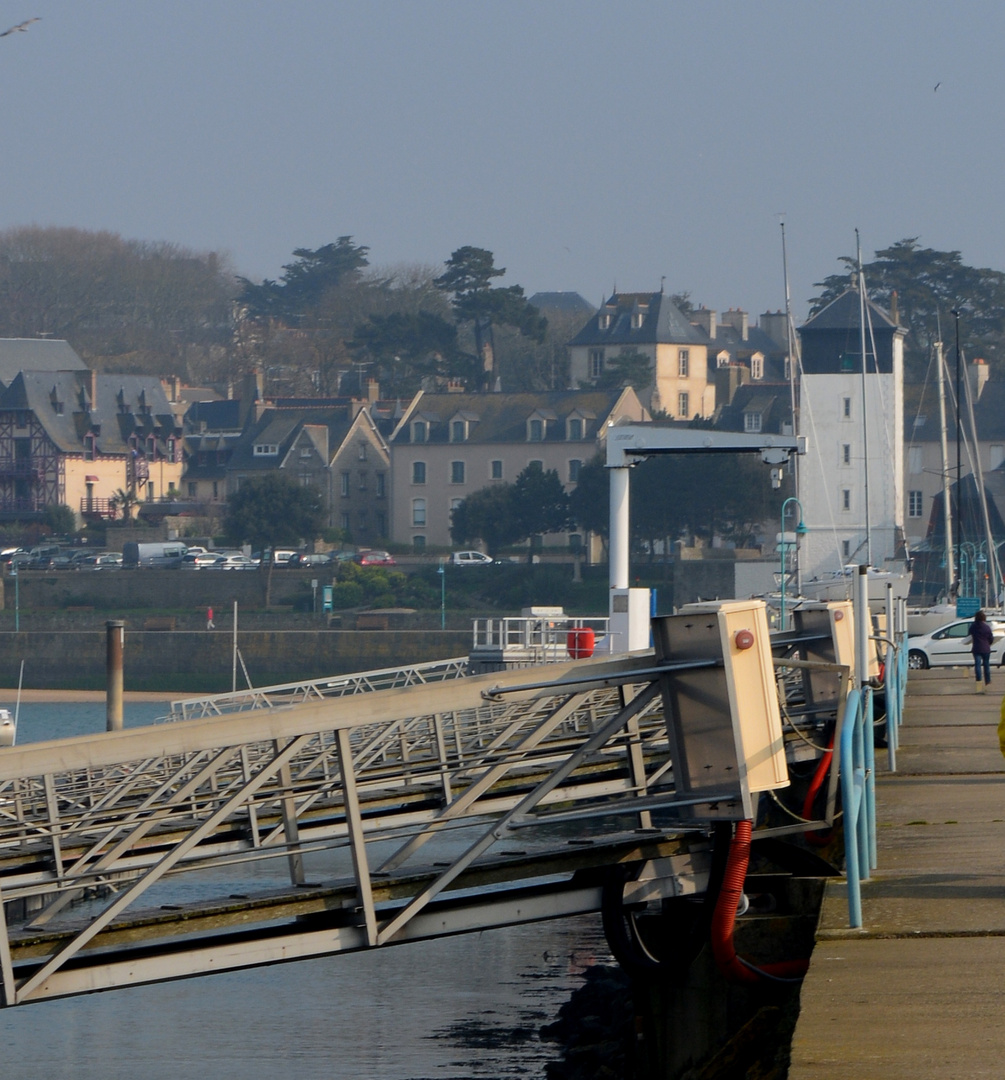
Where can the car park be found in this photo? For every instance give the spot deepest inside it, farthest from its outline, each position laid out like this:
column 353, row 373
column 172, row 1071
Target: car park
column 235, row 561
column 470, row 558
column 200, row 560
column 376, row 558
column 310, row 558
column 950, row 645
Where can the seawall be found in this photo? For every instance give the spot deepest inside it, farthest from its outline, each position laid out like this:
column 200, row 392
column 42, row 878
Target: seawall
column 200, row 661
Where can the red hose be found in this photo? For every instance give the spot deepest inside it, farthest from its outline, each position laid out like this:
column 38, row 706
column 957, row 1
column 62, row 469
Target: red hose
column 823, row 765
column 732, row 966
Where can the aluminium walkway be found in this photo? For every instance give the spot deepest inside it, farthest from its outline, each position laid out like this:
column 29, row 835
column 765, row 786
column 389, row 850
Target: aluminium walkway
column 919, row 992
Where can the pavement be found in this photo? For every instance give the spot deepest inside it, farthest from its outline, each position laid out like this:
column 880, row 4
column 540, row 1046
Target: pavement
column 919, row 991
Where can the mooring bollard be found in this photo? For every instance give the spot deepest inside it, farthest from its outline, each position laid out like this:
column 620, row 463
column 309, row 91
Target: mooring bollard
column 114, row 637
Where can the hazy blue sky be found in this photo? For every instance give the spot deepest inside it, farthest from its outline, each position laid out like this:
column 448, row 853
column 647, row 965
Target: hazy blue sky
column 584, row 143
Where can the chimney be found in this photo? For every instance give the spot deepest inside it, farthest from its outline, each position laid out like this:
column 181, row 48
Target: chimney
column 773, row 323
column 737, row 319
column 894, row 314
column 979, row 376
column 372, row 390
column 94, row 390
column 705, row 318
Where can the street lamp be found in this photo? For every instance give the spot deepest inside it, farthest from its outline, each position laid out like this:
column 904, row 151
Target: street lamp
column 443, row 594
column 801, row 530
column 17, row 597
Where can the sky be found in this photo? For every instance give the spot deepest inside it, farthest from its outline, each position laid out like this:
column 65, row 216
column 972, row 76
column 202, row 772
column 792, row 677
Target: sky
column 588, row 145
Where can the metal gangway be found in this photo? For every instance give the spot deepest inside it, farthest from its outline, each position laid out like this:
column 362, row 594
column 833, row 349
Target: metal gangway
column 357, row 820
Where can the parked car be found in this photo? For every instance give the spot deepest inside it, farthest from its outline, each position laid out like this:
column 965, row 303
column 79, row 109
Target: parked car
column 235, row 561
column 950, row 644
column 470, row 558
column 310, row 558
column 100, row 560
column 198, row 560
column 376, row 558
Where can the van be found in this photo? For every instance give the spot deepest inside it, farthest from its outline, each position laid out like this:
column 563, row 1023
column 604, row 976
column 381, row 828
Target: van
column 159, row 556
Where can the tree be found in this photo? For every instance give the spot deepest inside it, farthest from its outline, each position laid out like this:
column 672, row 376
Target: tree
column 468, row 277
column 61, row 520
column 273, row 511
column 929, row 285
column 405, row 349
column 540, row 502
column 487, row 515
column 630, row 367
column 304, row 282
column 590, row 500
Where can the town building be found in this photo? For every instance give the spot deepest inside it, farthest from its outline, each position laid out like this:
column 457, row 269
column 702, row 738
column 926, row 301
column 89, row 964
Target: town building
column 447, row 446
column 35, row 354
column 82, row 439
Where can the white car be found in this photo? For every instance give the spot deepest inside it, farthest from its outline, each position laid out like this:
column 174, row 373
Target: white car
column 950, row 644
column 470, row 558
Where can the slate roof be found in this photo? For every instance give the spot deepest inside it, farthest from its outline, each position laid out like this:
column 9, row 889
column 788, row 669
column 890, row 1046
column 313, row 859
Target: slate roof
column 571, row 302
column 843, row 314
column 502, row 418
column 216, row 415
column 923, row 426
column 36, row 354
column 662, row 323
column 280, row 427
column 772, row 400
column 60, row 400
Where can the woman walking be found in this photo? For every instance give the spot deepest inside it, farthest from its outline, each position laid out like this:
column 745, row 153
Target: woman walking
column 981, row 639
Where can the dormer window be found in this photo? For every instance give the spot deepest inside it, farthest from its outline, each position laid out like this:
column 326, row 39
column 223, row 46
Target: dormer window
column 458, row 431
column 57, row 405
column 757, row 366
column 535, row 430
column 722, row 360
column 420, row 431
column 638, row 318
column 604, row 322
column 575, row 429
column 266, row 450
column 752, row 422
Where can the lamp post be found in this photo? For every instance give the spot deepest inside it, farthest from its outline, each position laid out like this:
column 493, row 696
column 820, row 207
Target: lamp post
column 443, row 594
column 959, row 431
column 801, row 530
column 17, row 598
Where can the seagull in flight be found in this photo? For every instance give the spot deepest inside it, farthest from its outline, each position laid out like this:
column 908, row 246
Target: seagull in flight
column 22, row 27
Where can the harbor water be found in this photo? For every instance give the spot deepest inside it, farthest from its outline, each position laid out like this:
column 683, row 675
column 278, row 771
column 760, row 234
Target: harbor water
column 466, row 1006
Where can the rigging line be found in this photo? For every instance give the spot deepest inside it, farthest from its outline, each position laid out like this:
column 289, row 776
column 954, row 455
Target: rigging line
column 865, row 426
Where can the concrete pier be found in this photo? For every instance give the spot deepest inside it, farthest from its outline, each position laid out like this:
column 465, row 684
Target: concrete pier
column 919, row 991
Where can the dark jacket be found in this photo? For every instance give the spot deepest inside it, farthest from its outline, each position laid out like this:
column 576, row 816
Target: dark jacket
column 981, row 637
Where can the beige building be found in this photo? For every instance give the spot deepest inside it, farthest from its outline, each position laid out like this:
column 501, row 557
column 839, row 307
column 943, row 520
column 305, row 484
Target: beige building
column 650, row 324
column 447, row 446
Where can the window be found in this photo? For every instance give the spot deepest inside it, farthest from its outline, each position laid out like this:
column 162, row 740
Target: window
column 638, row 318
column 788, row 368
column 362, row 481
column 574, row 466
column 603, row 322
column 305, row 451
column 362, row 451
column 193, row 490
column 683, row 402
column 419, row 431
column 454, row 504
column 596, row 363
column 846, row 408
column 752, row 422
column 846, row 454
column 757, row 367
column 344, row 522
column 915, row 504
column 306, row 479
column 381, row 524
column 997, row 455
column 915, row 460
column 535, row 431
column 418, row 542
column 171, row 450
column 496, row 470
column 266, row 450
column 457, row 472
column 722, row 360
column 846, row 549
column 418, row 472
column 846, row 498
column 683, row 362
column 89, row 448
column 381, row 491
column 536, row 465
column 418, row 513
column 216, row 490
column 457, row 431
column 345, row 485
column 575, row 430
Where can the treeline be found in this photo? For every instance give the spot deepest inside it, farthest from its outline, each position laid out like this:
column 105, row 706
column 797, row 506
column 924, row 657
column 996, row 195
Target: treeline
column 326, row 326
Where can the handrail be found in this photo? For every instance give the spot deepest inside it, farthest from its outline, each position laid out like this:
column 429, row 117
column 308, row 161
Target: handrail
column 857, row 782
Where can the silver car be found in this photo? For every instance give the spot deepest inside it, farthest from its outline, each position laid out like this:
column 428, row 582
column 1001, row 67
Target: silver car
column 950, row 645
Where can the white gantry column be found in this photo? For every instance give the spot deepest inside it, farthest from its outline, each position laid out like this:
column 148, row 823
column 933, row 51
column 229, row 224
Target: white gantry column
column 618, row 569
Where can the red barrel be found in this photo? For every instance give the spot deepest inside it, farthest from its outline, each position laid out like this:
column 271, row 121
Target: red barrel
column 580, row 643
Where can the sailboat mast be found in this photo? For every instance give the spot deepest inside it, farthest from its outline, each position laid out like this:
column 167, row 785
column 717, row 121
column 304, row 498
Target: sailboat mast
column 789, row 346
column 947, row 511
column 865, row 426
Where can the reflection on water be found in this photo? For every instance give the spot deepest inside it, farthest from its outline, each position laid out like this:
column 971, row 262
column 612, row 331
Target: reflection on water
column 467, row 1006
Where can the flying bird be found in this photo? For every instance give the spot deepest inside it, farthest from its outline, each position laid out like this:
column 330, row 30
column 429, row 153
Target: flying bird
column 937, row 85
column 22, row 27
